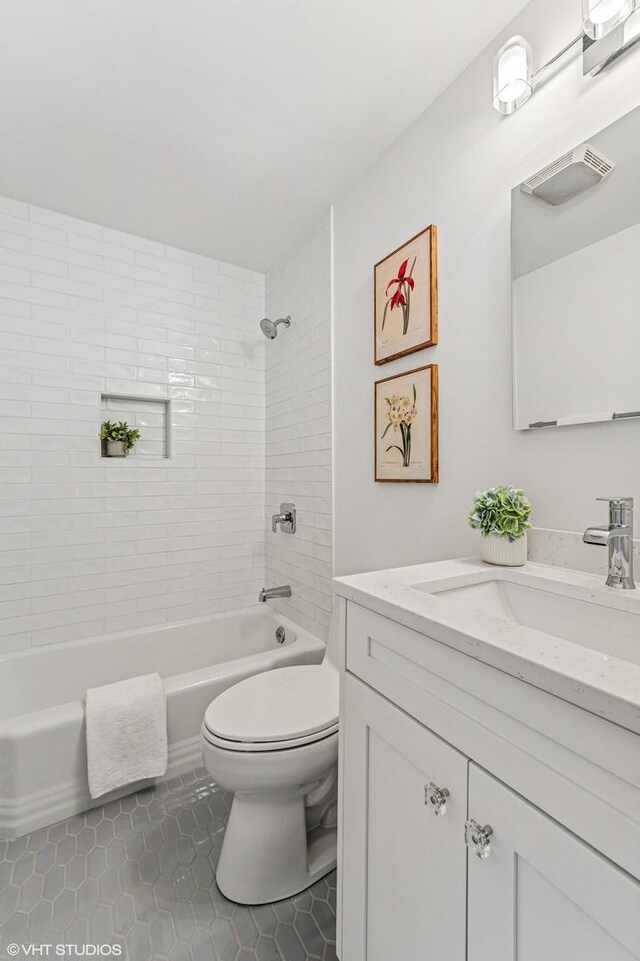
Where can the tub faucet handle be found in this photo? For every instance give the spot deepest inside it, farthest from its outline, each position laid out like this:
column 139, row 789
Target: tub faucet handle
column 286, row 519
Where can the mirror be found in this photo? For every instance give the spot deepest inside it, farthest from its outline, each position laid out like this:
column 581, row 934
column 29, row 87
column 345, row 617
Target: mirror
column 576, row 284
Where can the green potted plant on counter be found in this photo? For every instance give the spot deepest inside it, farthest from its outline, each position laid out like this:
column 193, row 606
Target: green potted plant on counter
column 119, row 438
column 502, row 515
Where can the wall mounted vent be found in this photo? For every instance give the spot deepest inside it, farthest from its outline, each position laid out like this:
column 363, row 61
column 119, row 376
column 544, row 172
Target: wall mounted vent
column 569, row 176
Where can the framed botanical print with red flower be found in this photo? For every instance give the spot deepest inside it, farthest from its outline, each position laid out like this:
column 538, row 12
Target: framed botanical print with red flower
column 406, row 426
column 406, row 298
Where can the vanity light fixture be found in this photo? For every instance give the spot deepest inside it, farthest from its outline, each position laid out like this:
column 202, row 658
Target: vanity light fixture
column 600, row 17
column 598, row 54
column 513, row 80
column 512, row 75
column 609, row 29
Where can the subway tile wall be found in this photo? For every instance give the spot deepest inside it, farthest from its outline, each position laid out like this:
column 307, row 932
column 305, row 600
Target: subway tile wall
column 298, row 431
column 89, row 545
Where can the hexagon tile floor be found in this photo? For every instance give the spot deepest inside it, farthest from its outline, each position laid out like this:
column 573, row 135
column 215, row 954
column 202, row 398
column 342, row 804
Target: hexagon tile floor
column 139, row 873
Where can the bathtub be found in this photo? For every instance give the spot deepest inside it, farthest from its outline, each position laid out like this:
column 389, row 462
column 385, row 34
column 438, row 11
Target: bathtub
column 43, row 765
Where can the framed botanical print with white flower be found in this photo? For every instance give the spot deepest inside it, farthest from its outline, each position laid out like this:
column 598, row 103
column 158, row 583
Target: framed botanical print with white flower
column 406, row 426
column 406, row 298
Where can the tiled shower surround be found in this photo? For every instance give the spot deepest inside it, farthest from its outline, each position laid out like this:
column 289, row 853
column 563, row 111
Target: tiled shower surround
column 139, row 873
column 90, row 545
column 298, row 431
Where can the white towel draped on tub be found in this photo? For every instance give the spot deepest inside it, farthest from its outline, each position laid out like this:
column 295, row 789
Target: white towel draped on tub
column 126, row 732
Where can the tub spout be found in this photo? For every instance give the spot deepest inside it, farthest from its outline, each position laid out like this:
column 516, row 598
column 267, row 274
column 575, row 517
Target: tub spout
column 267, row 593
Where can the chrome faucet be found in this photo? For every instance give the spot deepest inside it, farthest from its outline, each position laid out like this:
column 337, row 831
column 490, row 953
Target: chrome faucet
column 286, row 519
column 618, row 537
column 267, row 593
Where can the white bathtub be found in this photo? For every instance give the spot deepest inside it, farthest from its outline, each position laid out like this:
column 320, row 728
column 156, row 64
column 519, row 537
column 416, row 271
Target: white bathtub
column 43, row 766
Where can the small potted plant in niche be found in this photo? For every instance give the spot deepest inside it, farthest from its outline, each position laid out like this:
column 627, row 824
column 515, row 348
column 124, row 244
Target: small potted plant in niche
column 502, row 516
column 119, row 438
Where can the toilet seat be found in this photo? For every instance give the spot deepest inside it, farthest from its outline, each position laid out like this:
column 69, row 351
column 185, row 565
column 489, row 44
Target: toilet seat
column 275, row 711
column 255, row 747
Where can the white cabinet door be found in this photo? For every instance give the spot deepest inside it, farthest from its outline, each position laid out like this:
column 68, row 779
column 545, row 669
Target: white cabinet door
column 542, row 894
column 403, row 870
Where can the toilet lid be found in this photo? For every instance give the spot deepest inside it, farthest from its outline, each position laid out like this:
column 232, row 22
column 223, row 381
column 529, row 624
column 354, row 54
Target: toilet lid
column 285, row 704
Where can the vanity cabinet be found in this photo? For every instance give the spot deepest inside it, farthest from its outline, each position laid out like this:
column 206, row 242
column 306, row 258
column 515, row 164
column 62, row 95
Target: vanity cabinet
column 543, row 893
column 438, row 768
column 404, row 874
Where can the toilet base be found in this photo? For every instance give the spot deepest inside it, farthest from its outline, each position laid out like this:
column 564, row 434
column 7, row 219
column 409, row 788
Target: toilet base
column 268, row 853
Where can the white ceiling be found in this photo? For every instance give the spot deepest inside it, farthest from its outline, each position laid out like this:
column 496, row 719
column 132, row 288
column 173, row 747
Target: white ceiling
column 219, row 127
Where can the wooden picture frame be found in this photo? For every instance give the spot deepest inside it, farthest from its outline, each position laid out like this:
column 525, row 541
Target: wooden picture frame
column 405, row 298
column 406, row 427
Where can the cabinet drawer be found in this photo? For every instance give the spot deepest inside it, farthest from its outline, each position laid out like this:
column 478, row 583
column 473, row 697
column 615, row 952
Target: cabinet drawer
column 582, row 770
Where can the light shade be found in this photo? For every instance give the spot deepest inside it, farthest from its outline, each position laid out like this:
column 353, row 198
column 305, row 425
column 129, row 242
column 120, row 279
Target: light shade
column 600, row 17
column 512, row 83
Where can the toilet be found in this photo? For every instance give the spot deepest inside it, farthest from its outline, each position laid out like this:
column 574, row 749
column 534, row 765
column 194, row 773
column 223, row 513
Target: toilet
column 272, row 740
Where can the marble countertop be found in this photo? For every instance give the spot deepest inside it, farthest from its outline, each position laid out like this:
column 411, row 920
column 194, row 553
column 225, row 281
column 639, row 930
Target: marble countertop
column 601, row 683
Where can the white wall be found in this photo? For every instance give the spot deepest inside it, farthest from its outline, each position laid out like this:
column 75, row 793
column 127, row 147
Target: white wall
column 455, row 167
column 298, row 427
column 89, row 545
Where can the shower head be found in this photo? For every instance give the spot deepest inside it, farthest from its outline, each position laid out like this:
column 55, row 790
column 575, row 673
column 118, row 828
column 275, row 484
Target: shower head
column 270, row 328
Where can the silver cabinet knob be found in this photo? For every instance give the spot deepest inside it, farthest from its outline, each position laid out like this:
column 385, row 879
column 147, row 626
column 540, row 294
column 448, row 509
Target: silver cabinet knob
column 478, row 838
column 436, row 798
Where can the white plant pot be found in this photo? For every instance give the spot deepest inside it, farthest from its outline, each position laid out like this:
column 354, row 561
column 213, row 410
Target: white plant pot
column 502, row 551
column 115, row 448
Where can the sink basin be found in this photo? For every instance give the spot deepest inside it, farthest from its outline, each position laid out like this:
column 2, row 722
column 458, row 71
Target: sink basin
column 604, row 629
column 559, row 630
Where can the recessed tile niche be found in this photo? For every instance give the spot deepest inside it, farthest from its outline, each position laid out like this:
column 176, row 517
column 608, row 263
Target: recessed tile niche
column 149, row 415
